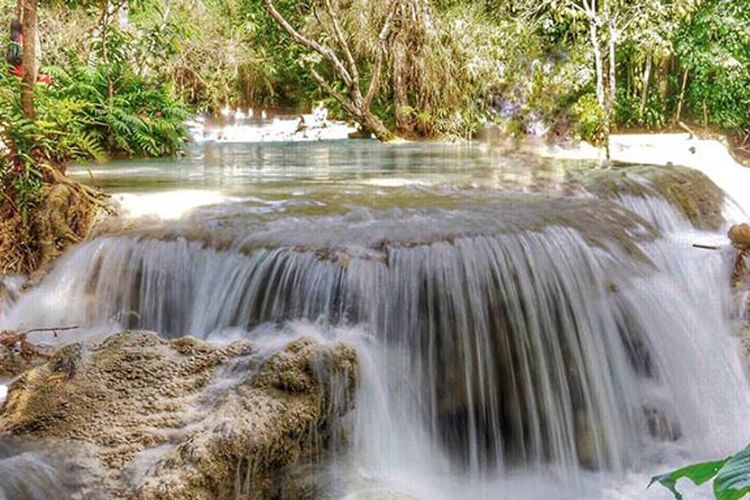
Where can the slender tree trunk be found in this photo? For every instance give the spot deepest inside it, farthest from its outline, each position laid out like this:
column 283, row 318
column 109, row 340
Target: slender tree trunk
column 681, row 100
column 612, row 67
column 644, row 93
column 29, row 62
column 594, row 33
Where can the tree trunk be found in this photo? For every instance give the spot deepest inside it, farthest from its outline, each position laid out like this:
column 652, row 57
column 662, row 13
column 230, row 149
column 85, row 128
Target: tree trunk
column 594, row 33
column 644, row 91
column 681, row 100
column 373, row 124
column 404, row 122
column 345, row 67
column 29, row 62
column 612, row 68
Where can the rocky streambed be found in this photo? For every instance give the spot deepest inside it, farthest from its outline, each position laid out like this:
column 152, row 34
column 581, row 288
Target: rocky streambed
column 138, row 416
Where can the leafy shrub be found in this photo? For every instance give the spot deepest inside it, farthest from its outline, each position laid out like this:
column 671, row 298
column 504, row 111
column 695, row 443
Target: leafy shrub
column 628, row 111
column 591, row 121
column 715, row 48
column 108, row 109
column 90, row 112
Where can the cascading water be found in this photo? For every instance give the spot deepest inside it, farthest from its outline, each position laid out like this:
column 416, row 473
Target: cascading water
column 520, row 345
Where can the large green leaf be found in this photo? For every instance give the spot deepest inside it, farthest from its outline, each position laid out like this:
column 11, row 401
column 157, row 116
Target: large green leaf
column 733, row 480
column 697, row 473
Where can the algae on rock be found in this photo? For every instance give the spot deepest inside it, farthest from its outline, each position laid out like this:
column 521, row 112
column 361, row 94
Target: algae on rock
column 691, row 192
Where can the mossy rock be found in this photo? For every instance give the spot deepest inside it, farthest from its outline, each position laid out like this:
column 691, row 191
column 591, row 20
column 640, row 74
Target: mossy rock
column 691, row 192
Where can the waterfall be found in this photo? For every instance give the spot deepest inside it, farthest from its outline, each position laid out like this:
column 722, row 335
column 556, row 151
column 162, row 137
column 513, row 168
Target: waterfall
column 561, row 336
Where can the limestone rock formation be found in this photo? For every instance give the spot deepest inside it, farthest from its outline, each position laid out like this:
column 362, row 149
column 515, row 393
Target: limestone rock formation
column 143, row 417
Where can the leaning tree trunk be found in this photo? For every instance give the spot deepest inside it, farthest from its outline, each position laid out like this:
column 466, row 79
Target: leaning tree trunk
column 338, row 52
column 29, row 62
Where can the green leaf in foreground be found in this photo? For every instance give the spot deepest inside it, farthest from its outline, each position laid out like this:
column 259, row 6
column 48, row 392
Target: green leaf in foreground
column 697, row 473
column 733, row 480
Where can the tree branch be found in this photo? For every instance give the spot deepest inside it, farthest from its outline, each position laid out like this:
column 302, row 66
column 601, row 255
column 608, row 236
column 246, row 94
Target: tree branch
column 338, row 35
column 374, row 81
column 310, row 44
column 346, row 103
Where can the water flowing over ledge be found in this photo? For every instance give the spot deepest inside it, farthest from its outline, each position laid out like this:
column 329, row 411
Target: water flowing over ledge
column 529, row 332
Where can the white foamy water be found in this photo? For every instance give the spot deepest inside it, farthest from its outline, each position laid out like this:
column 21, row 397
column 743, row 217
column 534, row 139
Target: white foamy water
column 706, row 155
column 169, row 205
column 236, row 126
column 528, row 344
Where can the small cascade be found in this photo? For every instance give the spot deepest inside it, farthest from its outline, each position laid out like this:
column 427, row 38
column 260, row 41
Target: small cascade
column 529, row 345
column 491, row 348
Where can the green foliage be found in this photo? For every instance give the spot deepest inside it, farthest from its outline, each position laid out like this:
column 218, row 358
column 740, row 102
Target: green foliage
column 715, row 48
column 517, row 63
column 20, row 179
column 731, row 476
column 108, row 109
column 591, row 120
column 91, row 111
column 629, row 115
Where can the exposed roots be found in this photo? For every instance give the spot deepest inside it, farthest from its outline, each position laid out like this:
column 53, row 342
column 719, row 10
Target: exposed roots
column 64, row 216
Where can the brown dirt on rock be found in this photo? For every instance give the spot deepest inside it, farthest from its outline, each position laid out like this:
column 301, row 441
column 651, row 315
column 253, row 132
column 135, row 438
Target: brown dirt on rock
column 147, row 419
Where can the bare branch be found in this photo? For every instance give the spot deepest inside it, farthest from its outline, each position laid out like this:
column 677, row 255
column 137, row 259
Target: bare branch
column 338, row 34
column 310, row 44
column 53, row 330
column 346, row 103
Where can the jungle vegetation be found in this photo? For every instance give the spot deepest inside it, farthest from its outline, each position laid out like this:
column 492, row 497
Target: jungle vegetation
column 127, row 73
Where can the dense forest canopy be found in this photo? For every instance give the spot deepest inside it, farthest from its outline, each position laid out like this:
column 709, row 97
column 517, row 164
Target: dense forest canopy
column 126, row 74
column 448, row 66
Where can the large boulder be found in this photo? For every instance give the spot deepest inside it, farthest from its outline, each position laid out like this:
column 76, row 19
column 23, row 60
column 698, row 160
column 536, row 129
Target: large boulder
column 140, row 416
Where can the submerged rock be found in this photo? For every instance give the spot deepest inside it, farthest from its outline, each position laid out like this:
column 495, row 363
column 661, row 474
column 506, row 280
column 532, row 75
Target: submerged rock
column 150, row 418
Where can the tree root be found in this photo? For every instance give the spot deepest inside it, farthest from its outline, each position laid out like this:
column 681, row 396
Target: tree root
column 65, row 216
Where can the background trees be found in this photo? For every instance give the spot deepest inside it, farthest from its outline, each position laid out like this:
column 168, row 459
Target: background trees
column 570, row 67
